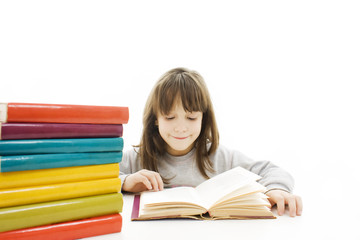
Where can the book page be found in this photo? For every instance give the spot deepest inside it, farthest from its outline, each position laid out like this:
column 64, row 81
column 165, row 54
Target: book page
column 217, row 187
column 170, row 195
column 249, row 190
column 3, row 112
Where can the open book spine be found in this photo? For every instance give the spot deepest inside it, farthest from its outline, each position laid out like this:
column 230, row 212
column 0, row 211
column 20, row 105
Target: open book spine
column 69, row 230
column 38, row 214
column 45, row 193
column 57, row 175
column 70, row 145
column 63, row 113
column 10, row 131
column 136, row 208
column 60, row 160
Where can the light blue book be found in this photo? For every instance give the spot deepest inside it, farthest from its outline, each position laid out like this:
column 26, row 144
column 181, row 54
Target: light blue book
column 70, row 145
column 44, row 161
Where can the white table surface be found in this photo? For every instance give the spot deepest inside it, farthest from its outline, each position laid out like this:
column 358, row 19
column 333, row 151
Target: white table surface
column 326, row 215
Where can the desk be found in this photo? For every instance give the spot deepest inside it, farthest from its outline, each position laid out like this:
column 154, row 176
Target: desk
column 316, row 223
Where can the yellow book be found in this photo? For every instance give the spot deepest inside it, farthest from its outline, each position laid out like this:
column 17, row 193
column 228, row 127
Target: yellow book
column 58, row 175
column 45, row 193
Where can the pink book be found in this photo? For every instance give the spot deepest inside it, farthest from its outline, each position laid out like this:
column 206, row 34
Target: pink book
column 9, row 131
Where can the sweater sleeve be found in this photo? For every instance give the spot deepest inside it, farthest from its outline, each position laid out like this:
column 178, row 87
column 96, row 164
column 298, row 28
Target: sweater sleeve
column 129, row 164
column 273, row 177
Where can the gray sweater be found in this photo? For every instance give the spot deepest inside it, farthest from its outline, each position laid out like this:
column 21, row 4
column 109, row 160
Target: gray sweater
column 183, row 171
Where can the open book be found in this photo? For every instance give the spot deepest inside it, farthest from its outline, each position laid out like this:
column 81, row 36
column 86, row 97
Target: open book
column 234, row 194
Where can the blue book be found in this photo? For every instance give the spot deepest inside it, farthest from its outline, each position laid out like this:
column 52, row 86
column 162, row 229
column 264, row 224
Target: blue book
column 44, row 161
column 71, row 145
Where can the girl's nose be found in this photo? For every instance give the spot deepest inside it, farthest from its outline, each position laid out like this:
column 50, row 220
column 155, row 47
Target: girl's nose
column 180, row 127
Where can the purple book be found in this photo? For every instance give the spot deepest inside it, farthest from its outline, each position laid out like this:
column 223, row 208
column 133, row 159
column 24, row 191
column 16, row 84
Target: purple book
column 10, row 131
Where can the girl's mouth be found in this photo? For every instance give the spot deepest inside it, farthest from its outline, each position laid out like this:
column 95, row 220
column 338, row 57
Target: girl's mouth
column 180, row 138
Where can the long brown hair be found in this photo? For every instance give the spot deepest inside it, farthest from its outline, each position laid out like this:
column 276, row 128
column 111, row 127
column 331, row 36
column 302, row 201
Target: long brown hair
column 190, row 87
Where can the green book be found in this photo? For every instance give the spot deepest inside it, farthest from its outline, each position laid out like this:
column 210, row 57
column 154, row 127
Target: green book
column 33, row 215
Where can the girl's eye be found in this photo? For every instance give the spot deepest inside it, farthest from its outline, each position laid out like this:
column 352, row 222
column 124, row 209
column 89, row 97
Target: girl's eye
column 192, row 118
column 169, row 118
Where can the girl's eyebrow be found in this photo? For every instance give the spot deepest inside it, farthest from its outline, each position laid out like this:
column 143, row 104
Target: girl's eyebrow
column 195, row 112
column 167, row 114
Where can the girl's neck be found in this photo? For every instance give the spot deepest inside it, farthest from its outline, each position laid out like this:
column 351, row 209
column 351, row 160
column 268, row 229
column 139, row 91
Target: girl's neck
column 178, row 154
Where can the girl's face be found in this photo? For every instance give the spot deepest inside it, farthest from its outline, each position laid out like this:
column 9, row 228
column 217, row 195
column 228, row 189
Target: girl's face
column 179, row 129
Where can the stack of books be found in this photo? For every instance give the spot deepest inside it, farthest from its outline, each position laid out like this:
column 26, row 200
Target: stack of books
column 59, row 168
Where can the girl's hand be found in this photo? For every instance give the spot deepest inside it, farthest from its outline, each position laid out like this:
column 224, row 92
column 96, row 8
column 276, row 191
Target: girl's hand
column 282, row 198
column 143, row 180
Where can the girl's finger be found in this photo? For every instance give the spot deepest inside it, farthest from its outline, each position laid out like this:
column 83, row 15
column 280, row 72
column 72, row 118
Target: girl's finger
column 146, row 182
column 280, row 203
column 152, row 179
column 299, row 206
column 160, row 181
column 292, row 206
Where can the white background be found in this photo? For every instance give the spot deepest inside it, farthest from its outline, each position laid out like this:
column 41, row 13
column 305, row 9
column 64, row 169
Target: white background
column 283, row 75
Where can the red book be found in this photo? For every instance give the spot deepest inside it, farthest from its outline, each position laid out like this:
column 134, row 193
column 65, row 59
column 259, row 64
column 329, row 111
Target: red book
column 68, row 230
column 11, row 131
column 61, row 113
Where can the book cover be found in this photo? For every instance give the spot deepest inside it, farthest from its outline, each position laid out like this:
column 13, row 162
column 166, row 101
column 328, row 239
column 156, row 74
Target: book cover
column 32, row 215
column 45, row 193
column 68, row 145
column 10, row 131
column 57, row 175
column 84, row 228
column 16, row 163
column 63, row 113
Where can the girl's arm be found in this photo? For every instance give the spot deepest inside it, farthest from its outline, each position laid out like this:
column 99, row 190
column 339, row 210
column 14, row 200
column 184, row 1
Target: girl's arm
column 280, row 185
column 272, row 176
column 278, row 182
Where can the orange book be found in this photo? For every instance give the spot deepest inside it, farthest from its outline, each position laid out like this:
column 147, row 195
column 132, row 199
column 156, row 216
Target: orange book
column 61, row 113
column 69, row 230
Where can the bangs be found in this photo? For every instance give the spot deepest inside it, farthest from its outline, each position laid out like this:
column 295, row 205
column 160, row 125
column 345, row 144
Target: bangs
column 181, row 87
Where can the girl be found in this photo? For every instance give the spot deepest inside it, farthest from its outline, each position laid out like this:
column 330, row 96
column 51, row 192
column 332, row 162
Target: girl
column 180, row 144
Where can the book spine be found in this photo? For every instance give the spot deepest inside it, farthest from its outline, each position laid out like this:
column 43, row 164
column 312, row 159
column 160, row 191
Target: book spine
column 62, row 113
column 69, row 230
column 41, row 146
column 45, row 161
column 10, row 131
column 136, row 208
column 33, row 215
column 57, row 175
column 37, row 194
